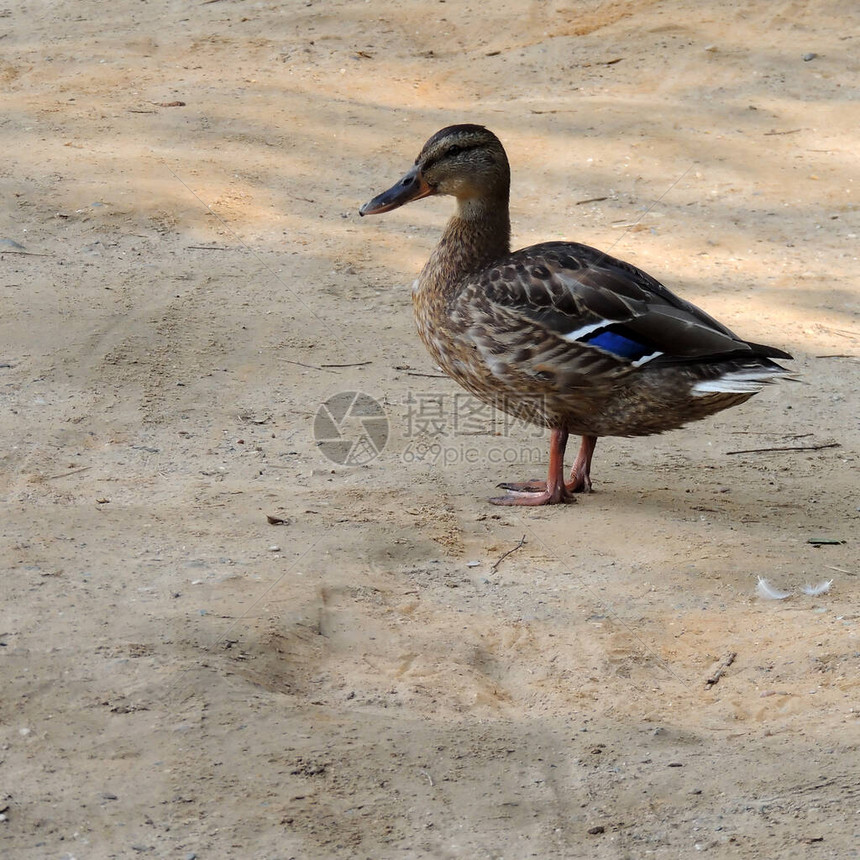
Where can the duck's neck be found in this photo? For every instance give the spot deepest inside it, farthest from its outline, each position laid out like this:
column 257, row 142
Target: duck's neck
column 478, row 235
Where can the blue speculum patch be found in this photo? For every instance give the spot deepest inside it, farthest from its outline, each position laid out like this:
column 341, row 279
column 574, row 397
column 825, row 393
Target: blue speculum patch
column 618, row 344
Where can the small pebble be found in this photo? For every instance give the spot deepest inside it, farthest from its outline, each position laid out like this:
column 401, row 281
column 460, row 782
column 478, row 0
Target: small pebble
column 595, row 831
column 810, row 56
column 274, row 548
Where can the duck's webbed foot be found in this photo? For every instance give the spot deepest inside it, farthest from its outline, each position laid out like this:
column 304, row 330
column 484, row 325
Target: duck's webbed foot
column 558, row 495
column 552, row 491
column 534, row 486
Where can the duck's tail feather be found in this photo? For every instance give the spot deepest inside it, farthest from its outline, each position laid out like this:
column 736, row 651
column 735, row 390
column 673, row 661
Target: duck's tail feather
column 743, row 380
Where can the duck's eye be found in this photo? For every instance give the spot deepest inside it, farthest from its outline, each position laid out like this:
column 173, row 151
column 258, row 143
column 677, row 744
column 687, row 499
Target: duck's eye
column 453, row 150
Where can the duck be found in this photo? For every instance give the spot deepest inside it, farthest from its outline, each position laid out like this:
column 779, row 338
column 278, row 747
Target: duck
column 560, row 334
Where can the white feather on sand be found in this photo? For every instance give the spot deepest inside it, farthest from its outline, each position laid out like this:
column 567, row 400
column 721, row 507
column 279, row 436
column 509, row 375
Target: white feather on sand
column 815, row 590
column 765, row 590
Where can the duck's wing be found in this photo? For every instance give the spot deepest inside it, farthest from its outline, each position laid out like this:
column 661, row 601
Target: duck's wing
column 565, row 306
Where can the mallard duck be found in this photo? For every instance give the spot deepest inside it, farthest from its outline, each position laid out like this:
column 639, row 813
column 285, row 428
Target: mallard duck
column 560, row 334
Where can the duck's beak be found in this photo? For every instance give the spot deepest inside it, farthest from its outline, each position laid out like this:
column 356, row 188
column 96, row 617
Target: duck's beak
column 411, row 187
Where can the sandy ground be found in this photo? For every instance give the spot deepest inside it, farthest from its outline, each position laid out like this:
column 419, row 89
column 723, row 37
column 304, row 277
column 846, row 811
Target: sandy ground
column 185, row 280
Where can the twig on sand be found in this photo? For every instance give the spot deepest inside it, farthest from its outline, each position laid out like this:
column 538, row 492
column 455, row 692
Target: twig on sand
column 327, row 366
column 839, row 355
column 302, row 364
column 790, row 448
column 719, row 668
column 66, row 474
column 840, row 331
column 520, row 545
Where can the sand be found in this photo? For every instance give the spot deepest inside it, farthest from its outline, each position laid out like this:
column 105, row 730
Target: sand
column 398, row 669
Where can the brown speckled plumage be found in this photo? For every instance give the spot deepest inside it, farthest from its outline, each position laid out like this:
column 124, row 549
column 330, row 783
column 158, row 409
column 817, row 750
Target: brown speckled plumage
column 559, row 333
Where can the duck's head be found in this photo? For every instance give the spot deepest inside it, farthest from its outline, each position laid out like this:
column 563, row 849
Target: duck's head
column 465, row 161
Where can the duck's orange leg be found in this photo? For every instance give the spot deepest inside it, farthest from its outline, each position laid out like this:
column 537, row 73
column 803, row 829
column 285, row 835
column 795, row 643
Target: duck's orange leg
column 580, row 474
column 554, row 491
column 580, row 478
